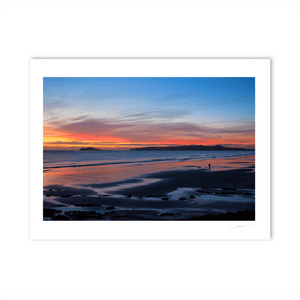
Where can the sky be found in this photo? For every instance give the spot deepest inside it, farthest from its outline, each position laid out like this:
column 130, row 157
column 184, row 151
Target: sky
column 123, row 113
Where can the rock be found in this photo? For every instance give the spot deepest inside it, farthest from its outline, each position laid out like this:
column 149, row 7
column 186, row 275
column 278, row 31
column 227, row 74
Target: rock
column 167, row 214
column 192, row 196
column 48, row 212
column 165, row 199
column 60, row 218
column 110, row 207
column 88, row 204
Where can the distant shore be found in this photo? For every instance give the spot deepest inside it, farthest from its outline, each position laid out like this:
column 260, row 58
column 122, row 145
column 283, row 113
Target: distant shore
column 89, row 149
column 191, row 148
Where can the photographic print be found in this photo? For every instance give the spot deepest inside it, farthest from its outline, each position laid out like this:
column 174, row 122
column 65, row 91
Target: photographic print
column 149, row 148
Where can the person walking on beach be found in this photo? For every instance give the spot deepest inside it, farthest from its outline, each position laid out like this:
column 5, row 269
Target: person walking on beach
column 209, row 166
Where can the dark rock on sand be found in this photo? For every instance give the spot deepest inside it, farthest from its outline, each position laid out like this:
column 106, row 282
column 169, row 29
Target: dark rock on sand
column 60, row 218
column 109, row 207
column 165, row 199
column 48, row 212
column 88, row 204
column 66, row 196
column 182, row 198
column 84, row 215
column 192, row 196
column 58, row 190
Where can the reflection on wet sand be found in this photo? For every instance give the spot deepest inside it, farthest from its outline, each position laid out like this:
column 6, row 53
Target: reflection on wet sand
column 113, row 173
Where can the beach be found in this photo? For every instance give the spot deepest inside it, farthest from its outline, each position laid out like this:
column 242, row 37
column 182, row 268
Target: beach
column 175, row 187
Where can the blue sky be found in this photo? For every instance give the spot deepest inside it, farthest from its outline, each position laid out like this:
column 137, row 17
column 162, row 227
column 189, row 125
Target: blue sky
column 198, row 105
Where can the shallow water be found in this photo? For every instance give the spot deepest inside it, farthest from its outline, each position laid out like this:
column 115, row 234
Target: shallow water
column 54, row 159
column 113, row 167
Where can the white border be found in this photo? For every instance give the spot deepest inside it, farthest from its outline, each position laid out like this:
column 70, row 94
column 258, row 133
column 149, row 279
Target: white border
column 151, row 230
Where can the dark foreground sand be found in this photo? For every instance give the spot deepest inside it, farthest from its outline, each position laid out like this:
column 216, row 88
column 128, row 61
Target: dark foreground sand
column 178, row 195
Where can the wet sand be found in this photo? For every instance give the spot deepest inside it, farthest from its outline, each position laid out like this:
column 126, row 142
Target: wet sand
column 171, row 180
column 193, row 194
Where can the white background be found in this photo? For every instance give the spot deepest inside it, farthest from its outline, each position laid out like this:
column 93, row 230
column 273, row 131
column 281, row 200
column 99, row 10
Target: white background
column 150, row 270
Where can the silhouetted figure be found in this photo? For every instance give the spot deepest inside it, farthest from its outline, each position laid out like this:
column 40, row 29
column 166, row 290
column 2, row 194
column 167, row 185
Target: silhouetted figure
column 209, row 166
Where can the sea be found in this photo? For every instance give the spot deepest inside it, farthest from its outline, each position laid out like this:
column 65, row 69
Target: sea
column 61, row 159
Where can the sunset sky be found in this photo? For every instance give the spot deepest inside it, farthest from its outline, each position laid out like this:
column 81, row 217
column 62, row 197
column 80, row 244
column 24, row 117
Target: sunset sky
column 124, row 113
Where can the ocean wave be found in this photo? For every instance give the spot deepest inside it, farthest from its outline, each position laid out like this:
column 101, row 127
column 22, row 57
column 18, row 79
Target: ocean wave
column 72, row 165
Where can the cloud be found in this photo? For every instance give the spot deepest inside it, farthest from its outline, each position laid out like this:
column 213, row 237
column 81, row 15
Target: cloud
column 95, row 127
column 155, row 115
column 112, row 132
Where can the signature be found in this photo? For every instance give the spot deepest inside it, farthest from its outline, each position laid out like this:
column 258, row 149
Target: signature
column 240, row 226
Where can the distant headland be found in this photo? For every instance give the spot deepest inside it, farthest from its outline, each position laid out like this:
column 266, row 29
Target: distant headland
column 89, row 149
column 190, row 147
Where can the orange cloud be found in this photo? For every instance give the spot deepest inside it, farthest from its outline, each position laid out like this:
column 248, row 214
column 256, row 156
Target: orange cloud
column 110, row 133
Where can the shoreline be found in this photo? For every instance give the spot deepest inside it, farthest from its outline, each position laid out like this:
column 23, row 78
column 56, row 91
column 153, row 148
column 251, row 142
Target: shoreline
column 178, row 195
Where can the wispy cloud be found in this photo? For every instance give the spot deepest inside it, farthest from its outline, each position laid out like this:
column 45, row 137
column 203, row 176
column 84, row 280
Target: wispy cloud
column 82, row 128
column 155, row 115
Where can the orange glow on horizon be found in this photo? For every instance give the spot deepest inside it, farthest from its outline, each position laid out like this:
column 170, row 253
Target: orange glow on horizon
column 59, row 140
